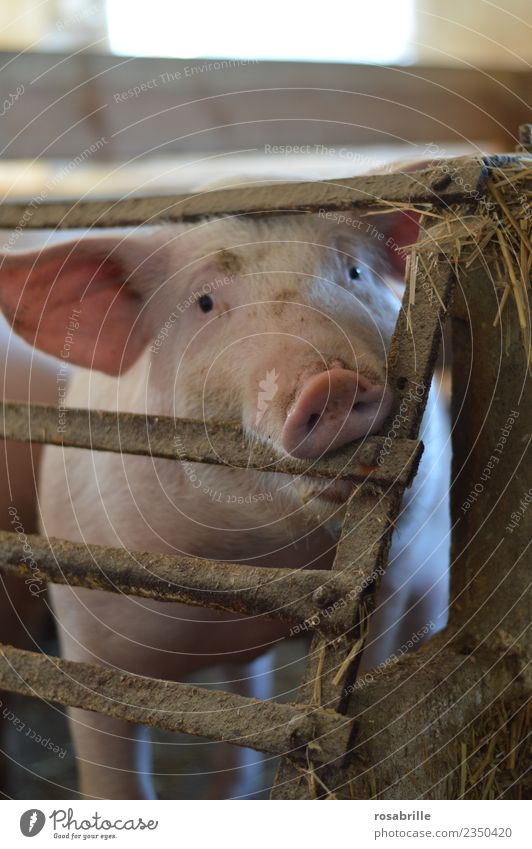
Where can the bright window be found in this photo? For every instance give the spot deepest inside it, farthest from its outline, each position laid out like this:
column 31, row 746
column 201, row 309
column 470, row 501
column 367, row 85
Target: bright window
column 378, row 31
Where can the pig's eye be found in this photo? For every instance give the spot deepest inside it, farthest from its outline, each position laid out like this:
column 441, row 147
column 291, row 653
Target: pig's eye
column 206, row 303
column 355, row 272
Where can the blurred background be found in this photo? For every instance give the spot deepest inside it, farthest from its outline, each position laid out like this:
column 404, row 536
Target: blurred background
column 105, row 98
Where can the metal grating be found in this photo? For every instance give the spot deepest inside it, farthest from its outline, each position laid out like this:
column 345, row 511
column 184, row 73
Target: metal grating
column 315, row 735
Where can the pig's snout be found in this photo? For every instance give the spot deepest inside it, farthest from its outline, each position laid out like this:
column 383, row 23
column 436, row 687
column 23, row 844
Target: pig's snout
column 332, row 409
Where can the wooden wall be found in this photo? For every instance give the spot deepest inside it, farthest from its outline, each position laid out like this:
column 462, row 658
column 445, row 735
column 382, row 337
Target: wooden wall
column 69, row 103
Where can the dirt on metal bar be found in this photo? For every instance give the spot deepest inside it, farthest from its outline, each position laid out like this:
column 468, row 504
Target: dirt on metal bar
column 189, row 440
column 266, row 726
column 422, row 187
column 310, row 599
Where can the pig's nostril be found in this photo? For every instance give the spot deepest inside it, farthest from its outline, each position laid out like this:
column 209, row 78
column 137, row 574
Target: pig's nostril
column 312, row 421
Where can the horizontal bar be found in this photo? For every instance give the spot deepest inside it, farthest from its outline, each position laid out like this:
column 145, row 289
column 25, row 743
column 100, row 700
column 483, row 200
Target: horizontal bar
column 310, row 599
column 277, row 729
column 194, row 441
column 430, row 186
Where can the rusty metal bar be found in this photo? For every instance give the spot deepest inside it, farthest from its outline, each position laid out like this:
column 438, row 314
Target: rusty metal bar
column 430, row 186
column 194, row 441
column 416, row 341
column 225, row 717
column 307, row 599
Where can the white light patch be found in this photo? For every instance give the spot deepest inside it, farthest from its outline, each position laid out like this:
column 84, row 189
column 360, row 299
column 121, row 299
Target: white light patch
column 351, row 31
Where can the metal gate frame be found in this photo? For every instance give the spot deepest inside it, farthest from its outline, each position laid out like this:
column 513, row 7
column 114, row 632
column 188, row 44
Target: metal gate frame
column 333, row 743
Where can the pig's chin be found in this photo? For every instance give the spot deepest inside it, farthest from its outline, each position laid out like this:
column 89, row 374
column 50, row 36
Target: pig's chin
column 323, row 500
column 336, row 492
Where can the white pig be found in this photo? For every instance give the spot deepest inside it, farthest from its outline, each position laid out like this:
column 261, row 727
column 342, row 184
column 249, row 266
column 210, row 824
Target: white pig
column 282, row 323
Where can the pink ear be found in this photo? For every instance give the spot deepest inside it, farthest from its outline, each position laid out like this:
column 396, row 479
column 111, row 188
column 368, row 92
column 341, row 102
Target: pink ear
column 78, row 290
column 403, row 227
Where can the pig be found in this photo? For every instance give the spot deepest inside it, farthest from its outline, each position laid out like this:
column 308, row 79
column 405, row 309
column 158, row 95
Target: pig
column 282, row 323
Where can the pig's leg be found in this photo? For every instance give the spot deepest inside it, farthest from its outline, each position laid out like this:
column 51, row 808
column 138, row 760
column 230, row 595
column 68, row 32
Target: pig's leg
column 144, row 638
column 113, row 756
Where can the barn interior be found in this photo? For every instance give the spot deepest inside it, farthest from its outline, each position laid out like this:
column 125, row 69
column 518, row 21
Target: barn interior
column 104, row 100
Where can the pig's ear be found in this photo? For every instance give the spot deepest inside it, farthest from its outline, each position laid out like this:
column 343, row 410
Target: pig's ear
column 401, row 230
column 85, row 289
